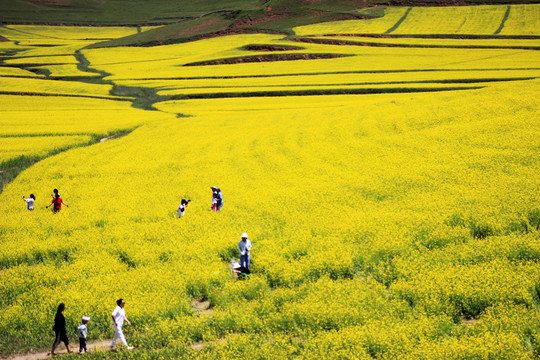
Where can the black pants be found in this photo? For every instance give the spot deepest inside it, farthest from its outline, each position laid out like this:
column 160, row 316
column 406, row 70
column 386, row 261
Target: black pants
column 82, row 345
column 61, row 336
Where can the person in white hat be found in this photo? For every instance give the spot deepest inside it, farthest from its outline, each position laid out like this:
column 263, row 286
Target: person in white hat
column 244, row 246
column 82, row 332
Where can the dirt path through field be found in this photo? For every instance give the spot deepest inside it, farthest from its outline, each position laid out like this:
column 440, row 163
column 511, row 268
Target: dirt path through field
column 201, row 308
column 101, row 345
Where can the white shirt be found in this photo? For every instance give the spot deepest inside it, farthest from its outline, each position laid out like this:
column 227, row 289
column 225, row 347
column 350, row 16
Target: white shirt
column 119, row 315
column 82, row 331
column 30, row 203
column 244, row 246
column 181, row 210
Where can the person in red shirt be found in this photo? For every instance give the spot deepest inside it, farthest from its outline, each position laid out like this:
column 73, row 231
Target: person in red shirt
column 57, row 203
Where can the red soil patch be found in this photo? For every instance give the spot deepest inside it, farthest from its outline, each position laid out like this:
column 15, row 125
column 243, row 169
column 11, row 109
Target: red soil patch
column 266, row 58
column 249, row 21
column 199, row 28
column 256, row 47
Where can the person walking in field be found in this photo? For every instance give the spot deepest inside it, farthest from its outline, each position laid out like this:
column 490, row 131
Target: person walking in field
column 56, row 202
column 60, row 329
column 82, row 332
column 217, row 198
column 214, row 198
column 244, row 247
column 119, row 316
column 30, row 201
column 182, row 208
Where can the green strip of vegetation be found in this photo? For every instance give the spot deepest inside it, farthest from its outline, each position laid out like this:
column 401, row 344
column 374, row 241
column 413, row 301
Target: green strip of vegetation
column 506, row 15
column 11, row 168
column 399, row 22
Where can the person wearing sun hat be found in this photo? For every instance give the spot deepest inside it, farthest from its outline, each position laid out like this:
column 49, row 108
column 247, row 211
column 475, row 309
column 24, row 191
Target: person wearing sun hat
column 82, row 332
column 244, row 247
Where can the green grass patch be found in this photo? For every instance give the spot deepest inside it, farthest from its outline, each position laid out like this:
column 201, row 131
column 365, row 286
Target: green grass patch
column 11, row 168
column 182, row 31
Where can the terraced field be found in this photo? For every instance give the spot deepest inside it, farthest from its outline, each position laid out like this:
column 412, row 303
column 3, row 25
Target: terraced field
column 385, row 170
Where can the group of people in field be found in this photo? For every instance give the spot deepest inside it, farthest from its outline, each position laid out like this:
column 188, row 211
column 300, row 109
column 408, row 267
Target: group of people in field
column 244, row 246
column 217, row 202
column 60, row 331
column 56, row 202
column 240, row 269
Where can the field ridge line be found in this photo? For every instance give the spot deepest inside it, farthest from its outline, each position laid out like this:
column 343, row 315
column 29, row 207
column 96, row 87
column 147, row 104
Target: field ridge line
column 505, row 17
column 399, row 22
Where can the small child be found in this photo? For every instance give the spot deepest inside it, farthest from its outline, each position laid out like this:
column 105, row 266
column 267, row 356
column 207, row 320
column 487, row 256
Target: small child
column 215, row 199
column 182, row 208
column 82, row 332
column 30, row 201
column 239, row 269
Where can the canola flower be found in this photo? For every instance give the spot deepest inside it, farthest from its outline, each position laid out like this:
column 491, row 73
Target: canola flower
column 37, row 145
column 516, row 19
column 478, row 20
column 59, row 87
column 59, row 115
column 417, row 41
column 317, row 243
column 394, row 225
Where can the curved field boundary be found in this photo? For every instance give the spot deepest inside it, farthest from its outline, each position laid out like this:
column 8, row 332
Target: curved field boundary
column 318, row 92
column 431, row 36
column 435, row 81
column 11, row 168
column 373, row 44
column 267, row 58
column 399, row 22
column 332, row 73
column 15, row 92
column 506, row 15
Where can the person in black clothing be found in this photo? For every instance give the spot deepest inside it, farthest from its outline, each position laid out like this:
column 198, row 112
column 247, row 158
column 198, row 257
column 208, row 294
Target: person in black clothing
column 60, row 329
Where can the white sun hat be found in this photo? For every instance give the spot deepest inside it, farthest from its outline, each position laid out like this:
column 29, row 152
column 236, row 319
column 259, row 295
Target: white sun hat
column 244, row 235
column 87, row 318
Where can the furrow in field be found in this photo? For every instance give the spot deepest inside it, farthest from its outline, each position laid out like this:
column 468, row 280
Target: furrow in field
column 403, row 45
column 311, row 92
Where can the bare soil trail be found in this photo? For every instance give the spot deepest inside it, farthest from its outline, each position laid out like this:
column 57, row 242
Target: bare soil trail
column 201, row 308
column 98, row 345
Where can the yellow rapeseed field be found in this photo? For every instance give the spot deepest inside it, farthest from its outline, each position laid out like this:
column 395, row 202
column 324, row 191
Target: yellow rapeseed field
column 467, row 20
column 45, row 115
column 398, row 225
column 37, row 145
